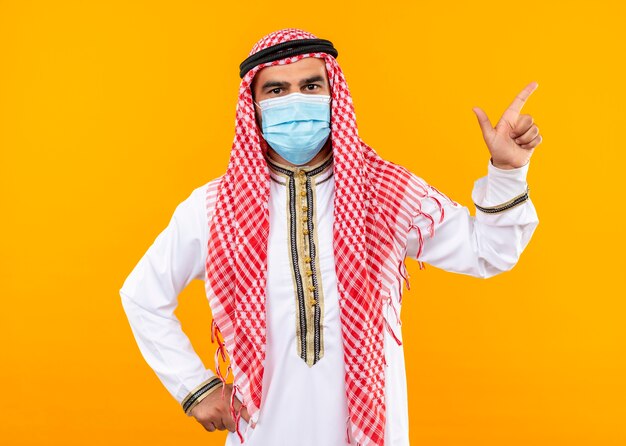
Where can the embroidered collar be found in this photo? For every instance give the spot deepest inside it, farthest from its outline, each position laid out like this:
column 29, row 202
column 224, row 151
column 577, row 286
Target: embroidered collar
column 319, row 172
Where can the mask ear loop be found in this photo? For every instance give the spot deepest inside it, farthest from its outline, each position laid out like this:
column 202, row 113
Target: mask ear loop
column 257, row 123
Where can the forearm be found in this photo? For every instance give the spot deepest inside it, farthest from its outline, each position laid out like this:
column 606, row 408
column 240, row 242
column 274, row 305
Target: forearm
column 490, row 242
column 166, row 349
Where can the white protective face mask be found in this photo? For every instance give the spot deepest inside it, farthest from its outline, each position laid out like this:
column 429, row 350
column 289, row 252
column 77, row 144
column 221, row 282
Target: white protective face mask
column 297, row 125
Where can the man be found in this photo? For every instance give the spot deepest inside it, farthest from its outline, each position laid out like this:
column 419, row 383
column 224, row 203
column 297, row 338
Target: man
column 301, row 244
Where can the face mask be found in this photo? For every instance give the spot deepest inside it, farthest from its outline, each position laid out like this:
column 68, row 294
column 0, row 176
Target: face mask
column 297, row 125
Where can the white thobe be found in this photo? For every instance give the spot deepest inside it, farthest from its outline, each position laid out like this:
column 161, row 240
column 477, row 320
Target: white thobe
column 302, row 404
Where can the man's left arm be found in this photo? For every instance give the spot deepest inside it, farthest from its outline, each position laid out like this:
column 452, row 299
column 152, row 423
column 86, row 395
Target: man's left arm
column 505, row 220
column 484, row 245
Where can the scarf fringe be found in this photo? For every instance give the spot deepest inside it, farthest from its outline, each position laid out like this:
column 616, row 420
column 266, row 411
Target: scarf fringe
column 219, row 352
column 390, row 304
column 348, row 440
column 348, row 437
column 448, row 199
column 216, row 335
column 403, row 276
column 236, row 416
column 431, row 221
column 390, row 330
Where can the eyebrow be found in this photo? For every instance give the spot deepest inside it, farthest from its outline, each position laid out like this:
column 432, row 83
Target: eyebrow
column 312, row 80
column 309, row 80
column 269, row 84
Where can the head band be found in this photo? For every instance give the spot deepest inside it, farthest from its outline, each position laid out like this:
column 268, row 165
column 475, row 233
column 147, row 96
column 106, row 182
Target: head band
column 287, row 49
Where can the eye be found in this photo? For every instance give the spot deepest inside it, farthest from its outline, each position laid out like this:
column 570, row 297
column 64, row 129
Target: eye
column 275, row 90
column 312, row 87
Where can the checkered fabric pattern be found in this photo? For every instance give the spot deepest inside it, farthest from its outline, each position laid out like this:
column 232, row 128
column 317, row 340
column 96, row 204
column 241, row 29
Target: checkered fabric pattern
column 375, row 206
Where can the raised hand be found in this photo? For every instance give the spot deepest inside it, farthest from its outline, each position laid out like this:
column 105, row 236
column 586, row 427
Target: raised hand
column 514, row 138
column 213, row 412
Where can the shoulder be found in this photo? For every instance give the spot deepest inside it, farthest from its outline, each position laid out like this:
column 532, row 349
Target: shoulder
column 389, row 179
column 389, row 175
column 414, row 185
column 200, row 201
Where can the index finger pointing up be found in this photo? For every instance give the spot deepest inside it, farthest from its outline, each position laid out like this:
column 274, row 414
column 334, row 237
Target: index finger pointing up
column 520, row 99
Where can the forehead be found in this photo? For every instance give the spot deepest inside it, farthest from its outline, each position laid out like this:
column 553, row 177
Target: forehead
column 295, row 71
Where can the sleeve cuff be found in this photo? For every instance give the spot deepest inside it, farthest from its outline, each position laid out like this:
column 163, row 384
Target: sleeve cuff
column 190, row 382
column 200, row 392
column 500, row 186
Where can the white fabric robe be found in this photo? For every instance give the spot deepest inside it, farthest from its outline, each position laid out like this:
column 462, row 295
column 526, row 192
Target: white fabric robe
column 302, row 402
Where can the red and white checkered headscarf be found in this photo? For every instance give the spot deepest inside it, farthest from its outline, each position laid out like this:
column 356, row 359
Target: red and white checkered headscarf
column 374, row 206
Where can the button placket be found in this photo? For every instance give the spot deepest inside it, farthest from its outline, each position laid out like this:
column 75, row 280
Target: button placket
column 305, row 262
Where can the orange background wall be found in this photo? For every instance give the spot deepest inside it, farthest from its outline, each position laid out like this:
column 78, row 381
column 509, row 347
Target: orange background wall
column 111, row 112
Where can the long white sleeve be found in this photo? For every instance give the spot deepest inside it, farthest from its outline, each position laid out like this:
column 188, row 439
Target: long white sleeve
column 150, row 296
column 484, row 245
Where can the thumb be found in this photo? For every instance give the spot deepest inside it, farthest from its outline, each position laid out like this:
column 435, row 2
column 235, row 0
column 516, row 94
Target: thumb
column 243, row 410
column 245, row 415
column 483, row 121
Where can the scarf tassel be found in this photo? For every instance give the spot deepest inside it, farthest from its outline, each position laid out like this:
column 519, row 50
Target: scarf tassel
column 348, row 438
column 390, row 330
column 431, row 221
column 440, row 206
column 219, row 352
column 448, row 199
column 236, row 415
column 404, row 275
column 420, row 239
column 216, row 335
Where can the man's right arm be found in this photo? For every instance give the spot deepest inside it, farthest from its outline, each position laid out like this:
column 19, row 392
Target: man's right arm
column 150, row 296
